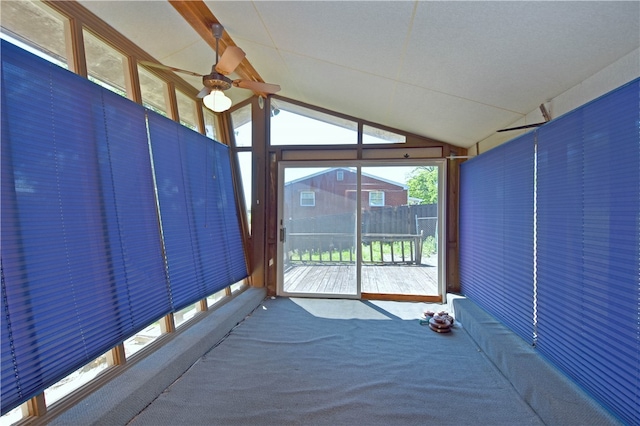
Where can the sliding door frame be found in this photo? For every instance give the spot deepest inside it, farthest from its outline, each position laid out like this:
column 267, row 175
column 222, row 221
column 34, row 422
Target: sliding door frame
column 358, row 165
column 282, row 165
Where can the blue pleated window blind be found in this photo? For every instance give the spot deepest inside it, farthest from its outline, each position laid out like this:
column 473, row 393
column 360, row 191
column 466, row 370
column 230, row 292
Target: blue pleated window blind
column 131, row 212
column 481, row 219
column 195, row 196
column 588, row 266
column 214, row 210
column 82, row 267
column 176, row 216
column 496, row 228
column 204, row 202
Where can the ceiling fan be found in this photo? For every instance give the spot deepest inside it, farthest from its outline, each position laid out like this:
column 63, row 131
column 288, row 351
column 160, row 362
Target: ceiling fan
column 217, row 81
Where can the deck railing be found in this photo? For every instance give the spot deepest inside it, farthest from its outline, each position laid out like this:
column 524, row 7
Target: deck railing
column 307, row 247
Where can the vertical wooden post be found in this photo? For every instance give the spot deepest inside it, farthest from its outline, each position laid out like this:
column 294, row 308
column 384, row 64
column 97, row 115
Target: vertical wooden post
column 116, row 355
column 76, row 59
column 35, row 407
column 259, row 206
column 452, row 216
column 202, row 306
column 132, row 79
column 171, row 101
column 167, row 324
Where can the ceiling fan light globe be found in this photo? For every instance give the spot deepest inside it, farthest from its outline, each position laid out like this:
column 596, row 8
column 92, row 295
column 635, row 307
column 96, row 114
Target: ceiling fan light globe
column 217, row 101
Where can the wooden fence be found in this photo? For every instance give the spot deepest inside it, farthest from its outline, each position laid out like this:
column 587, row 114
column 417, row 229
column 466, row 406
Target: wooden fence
column 389, row 235
column 305, row 247
column 384, row 220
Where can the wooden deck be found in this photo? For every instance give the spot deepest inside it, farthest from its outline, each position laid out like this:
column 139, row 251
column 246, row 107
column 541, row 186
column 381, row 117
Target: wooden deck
column 383, row 279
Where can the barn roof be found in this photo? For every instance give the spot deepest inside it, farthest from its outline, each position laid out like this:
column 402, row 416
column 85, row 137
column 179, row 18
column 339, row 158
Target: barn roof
column 347, row 169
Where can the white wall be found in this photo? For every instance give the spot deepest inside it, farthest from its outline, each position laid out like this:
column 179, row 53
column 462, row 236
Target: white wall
column 613, row 76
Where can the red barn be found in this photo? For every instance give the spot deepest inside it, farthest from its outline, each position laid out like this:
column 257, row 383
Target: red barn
column 333, row 191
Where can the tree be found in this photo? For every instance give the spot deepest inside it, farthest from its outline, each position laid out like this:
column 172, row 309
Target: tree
column 423, row 184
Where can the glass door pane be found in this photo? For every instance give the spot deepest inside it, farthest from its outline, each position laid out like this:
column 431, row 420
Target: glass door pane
column 400, row 230
column 318, row 231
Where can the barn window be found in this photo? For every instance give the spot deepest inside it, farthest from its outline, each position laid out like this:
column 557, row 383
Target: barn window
column 340, row 175
column 376, row 198
column 307, row 198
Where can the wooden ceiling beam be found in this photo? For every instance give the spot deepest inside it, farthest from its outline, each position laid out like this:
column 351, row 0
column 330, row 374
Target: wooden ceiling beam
column 198, row 15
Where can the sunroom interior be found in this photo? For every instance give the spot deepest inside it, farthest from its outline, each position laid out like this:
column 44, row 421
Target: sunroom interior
column 140, row 228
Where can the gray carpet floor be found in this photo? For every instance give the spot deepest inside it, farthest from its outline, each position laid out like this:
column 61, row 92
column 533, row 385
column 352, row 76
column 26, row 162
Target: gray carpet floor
column 340, row 362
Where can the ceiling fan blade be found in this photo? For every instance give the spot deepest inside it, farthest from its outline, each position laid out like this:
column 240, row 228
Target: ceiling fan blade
column 545, row 114
column 166, row 67
column 230, row 59
column 204, row 92
column 528, row 126
column 257, row 86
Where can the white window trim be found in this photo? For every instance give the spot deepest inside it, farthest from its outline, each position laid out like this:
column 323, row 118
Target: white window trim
column 306, row 199
column 371, row 200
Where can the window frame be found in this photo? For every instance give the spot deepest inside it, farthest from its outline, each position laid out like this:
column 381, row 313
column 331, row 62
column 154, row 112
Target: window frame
column 313, row 198
column 376, row 192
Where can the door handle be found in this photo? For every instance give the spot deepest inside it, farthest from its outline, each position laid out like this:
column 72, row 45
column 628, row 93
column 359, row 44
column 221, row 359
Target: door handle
column 283, row 234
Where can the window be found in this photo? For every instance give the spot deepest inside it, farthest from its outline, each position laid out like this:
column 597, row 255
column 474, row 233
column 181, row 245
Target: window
column 297, row 125
column 76, row 379
column 37, row 28
column 105, row 65
column 340, row 175
column 153, row 91
column 376, row 198
column 307, row 198
column 141, row 339
column 242, row 130
column 185, row 314
column 242, row 127
column 187, row 111
column 246, row 174
column 209, row 124
column 372, row 135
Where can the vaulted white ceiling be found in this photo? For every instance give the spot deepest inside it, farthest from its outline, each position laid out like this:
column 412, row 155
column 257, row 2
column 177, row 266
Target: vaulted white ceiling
column 455, row 71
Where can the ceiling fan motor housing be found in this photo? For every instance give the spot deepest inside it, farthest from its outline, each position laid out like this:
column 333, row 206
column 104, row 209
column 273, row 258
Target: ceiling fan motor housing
column 216, row 81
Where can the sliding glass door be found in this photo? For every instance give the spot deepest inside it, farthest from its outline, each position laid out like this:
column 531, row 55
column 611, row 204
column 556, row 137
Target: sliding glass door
column 399, row 237
column 318, row 231
column 354, row 228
